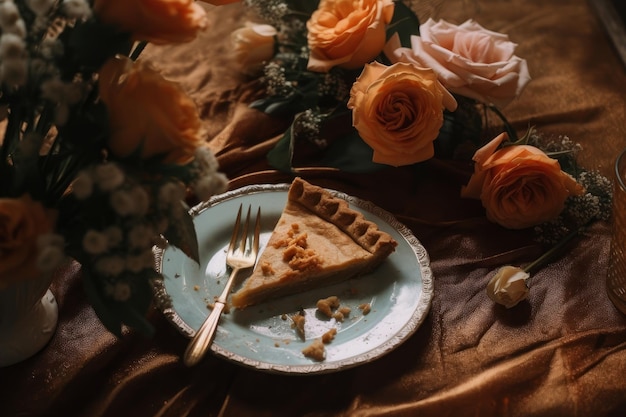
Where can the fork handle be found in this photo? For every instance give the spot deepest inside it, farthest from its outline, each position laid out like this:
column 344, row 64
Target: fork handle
column 204, row 336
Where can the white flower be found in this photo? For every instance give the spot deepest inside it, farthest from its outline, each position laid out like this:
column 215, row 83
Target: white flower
column 76, row 9
column 508, row 287
column 137, row 263
column 121, row 291
column 205, row 160
column 82, row 187
column 210, row 185
column 10, row 19
column 51, row 48
column 40, row 7
column 130, row 202
column 50, row 239
column 140, row 236
column 50, row 251
column 14, row 71
column 95, row 242
column 108, row 176
column 123, row 203
column 142, row 200
column 12, row 46
column 110, row 265
column 49, row 258
column 114, row 235
column 171, row 193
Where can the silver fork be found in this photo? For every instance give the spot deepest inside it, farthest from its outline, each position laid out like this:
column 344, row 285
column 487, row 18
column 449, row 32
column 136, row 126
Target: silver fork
column 238, row 258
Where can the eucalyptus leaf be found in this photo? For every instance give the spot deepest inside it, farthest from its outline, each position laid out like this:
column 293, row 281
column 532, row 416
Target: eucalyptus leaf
column 101, row 305
column 281, row 155
column 350, row 154
column 113, row 313
column 182, row 232
column 135, row 308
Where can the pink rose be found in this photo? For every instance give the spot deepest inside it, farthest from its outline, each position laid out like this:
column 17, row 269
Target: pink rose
column 519, row 186
column 347, row 34
column 470, row 60
column 398, row 111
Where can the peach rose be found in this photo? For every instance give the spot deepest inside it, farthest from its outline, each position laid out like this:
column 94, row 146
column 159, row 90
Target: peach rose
column 22, row 221
column 519, row 186
column 398, row 111
column 156, row 21
column 470, row 60
column 347, row 33
column 147, row 113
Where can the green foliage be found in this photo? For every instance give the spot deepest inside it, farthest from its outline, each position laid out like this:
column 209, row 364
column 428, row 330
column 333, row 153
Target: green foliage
column 112, row 313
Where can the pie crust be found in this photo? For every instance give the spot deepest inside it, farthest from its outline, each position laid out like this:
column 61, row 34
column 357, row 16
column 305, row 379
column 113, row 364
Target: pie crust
column 318, row 240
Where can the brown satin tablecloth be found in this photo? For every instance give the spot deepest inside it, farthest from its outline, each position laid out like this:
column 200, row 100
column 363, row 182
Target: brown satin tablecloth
column 561, row 353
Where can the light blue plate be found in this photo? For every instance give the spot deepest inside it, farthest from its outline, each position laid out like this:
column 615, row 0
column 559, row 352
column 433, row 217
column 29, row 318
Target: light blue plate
column 399, row 292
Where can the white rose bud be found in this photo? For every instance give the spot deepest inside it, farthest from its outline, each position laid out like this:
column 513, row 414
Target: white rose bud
column 508, row 286
column 253, row 44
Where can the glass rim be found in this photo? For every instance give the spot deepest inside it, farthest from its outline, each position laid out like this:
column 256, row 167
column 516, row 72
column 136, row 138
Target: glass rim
column 619, row 176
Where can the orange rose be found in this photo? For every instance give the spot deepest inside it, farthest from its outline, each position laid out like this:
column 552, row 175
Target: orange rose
column 156, row 21
column 519, row 186
column 22, row 221
column 148, row 113
column 347, row 33
column 398, row 111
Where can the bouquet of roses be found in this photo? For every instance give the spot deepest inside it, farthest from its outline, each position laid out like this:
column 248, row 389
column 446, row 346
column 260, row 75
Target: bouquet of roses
column 99, row 152
column 367, row 84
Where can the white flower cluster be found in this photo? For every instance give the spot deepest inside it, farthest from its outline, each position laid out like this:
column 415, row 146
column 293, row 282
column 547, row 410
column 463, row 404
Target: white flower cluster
column 22, row 61
column 13, row 62
column 208, row 180
column 271, row 11
column 594, row 204
column 50, row 252
column 126, row 245
column 306, row 126
column 276, row 82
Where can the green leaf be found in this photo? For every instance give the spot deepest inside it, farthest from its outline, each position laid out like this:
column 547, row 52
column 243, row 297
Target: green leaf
column 281, row 155
column 100, row 303
column 461, row 132
column 304, row 6
column 133, row 311
column 404, row 22
column 346, row 150
column 182, row 233
column 112, row 313
column 350, row 154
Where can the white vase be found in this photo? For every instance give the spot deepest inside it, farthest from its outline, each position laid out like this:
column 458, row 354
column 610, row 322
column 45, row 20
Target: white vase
column 28, row 319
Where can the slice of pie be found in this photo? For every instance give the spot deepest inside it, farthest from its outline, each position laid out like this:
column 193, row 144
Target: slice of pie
column 318, row 240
